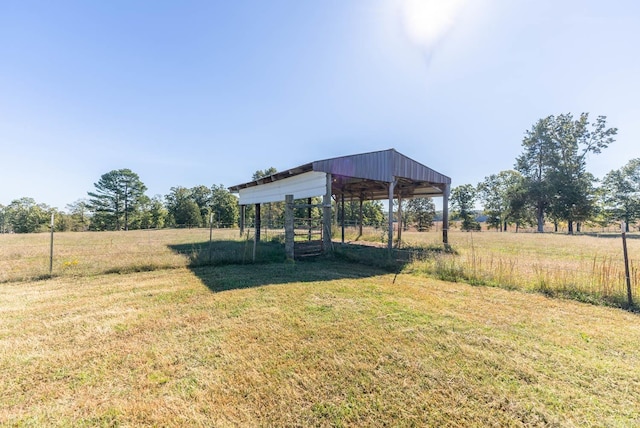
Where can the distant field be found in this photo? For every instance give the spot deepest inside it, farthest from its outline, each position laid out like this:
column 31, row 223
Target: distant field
column 325, row 343
column 27, row 256
column 583, row 267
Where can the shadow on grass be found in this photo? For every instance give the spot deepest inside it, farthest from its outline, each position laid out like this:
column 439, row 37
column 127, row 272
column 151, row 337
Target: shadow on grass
column 230, row 252
column 227, row 265
column 380, row 257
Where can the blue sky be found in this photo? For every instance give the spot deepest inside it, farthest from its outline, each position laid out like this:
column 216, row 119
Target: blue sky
column 207, row 92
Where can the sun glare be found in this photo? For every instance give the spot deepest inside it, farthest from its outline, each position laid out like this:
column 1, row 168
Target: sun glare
column 426, row 22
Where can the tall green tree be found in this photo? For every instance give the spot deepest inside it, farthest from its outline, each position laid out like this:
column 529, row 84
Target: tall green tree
column 62, row 220
column 202, row 196
column 182, row 209
column 263, row 173
column 421, row 212
column 78, row 215
column 574, row 200
column 536, row 164
column 157, row 212
column 372, row 212
column 463, row 200
column 150, row 213
column 621, row 193
column 117, row 195
column 25, row 215
column 224, row 206
column 553, row 164
column 521, row 212
column 500, row 195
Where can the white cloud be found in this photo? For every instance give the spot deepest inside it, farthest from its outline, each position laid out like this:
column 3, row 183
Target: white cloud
column 427, row 22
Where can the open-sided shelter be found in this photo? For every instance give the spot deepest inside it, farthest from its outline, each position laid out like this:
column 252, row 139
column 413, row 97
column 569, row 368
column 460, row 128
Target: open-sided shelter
column 380, row 175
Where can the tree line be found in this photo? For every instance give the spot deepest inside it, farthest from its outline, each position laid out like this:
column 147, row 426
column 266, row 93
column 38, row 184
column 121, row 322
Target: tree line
column 119, row 202
column 550, row 183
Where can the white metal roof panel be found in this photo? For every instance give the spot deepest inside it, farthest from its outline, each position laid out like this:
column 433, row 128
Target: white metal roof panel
column 305, row 185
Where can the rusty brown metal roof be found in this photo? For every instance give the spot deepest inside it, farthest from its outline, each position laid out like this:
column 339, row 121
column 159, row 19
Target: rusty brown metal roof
column 368, row 175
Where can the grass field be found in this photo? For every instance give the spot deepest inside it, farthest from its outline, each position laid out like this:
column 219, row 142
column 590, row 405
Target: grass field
column 308, row 344
column 138, row 329
column 584, row 267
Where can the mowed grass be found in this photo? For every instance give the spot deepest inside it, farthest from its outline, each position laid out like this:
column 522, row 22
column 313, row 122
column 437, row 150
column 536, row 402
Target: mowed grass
column 324, row 343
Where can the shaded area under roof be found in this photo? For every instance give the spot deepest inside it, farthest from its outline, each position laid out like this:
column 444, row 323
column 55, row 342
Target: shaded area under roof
column 368, row 175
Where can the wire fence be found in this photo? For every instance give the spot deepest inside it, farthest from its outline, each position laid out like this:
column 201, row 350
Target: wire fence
column 29, row 256
column 588, row 265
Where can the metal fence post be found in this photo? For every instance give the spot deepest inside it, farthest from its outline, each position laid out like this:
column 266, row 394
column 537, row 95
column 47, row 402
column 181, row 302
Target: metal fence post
column 51, row 249
column 626, row 264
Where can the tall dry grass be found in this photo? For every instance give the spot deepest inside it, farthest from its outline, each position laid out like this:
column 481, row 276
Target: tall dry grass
column 27, row 256
column 584, row 267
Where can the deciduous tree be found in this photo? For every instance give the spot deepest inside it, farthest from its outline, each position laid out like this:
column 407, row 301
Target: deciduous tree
column 621, row 193
column 463, row 200
column 553, row 164
column 421, row 212
column 202, row 196
column 25, row 215
column 183, row 210
column 224, row 206
column 499, row 194
column 78, row 215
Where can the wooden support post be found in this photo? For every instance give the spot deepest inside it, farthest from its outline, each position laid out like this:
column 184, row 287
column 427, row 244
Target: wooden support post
column 309, row 217
column 391, row 189
column 242, row 214
column 326, row 216
column 360, row 217
column 445, row 214
column 399, row 220
column 342, row 215
column 289, row 232
column 257, row 223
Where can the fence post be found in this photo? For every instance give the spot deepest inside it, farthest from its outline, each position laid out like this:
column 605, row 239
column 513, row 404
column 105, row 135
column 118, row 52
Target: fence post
column 210, row 234
column 51, row 249
column 626, row 265
column 255, row 242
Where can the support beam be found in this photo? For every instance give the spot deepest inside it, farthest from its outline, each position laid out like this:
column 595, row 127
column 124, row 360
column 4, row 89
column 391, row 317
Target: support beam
column 399, row 219
column 342, row 215
column 360, row 218
column 445, row 213
column 326, row 216
column 242, row 215
column 391, row 189
column 289, row 233
column 309, row 217
column 257, row 223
